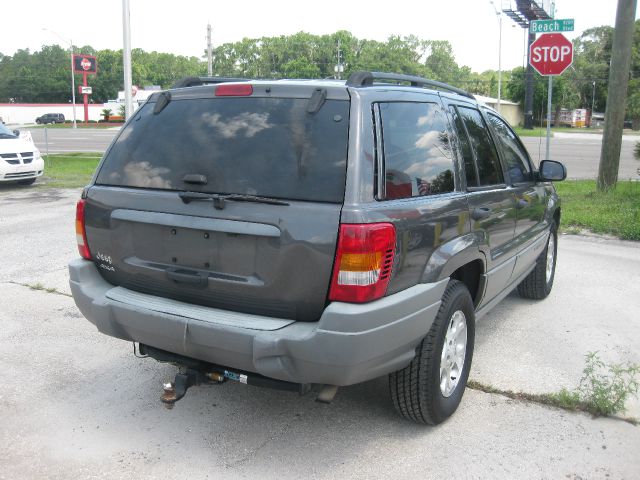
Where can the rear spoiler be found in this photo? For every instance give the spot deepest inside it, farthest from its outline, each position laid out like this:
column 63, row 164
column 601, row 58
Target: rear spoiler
column 196, row 81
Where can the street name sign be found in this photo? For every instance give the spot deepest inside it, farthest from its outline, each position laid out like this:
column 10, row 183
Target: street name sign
column 551, row 26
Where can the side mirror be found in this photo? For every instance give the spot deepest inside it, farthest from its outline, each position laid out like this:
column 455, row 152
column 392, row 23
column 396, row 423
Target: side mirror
column 16, row 133
column 551, row 171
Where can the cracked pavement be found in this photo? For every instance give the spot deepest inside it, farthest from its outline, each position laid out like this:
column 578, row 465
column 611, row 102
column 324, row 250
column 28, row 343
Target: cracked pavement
column 78, row 404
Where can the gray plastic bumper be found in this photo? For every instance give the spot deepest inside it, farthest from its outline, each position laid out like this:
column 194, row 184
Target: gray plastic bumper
column 350, row 343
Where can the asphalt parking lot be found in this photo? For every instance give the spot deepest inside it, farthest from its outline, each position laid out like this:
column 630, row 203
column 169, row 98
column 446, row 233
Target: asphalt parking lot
column 79, row 405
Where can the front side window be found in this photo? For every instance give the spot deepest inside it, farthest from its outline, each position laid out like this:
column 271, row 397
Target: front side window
column 417, row 151
column 514, row 154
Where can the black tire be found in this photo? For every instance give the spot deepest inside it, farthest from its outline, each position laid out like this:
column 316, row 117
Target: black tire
column 415, row 390
column 29, row 181
column 536, row 286
column 38, row 121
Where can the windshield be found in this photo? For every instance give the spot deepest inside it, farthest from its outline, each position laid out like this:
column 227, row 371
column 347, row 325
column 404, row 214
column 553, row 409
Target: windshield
column 269, row 147
column 5, row 132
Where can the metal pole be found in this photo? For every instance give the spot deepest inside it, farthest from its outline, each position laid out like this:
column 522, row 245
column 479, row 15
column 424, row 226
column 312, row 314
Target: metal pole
column 549, row 116
column 549, row 95
column 500, row 63
column 126, row 59
column 593, row 102
column 73, row 87
column 209, row 53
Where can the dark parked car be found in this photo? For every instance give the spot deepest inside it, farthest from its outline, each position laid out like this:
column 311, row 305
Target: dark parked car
column 303, row 234
column 50, row 118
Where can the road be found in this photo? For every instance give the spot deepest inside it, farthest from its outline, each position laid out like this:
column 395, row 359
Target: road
column 580, row 152
column 77, row 404
column 61, row 140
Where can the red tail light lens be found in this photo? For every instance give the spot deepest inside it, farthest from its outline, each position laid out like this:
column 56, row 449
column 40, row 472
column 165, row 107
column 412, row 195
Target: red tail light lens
column 364, row 258
column 240, row 90
column 81, row 234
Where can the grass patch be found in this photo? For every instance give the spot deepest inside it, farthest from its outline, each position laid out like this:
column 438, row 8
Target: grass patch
column 40, row 287
column 616, row 212
column 69, row 170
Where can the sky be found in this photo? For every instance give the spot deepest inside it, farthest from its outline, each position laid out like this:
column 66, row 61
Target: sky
column 471, row 26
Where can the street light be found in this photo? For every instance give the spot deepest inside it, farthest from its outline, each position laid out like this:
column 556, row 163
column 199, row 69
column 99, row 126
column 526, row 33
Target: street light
column 73, row 78
column 499, row 15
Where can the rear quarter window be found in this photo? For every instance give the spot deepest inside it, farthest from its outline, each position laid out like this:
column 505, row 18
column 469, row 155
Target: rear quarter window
column 417, row 151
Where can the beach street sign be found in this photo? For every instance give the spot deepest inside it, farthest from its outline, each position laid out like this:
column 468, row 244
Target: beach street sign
column 551, row 26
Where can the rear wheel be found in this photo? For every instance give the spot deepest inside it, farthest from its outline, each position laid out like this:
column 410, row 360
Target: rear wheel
column 538, row 284
column 430, row 389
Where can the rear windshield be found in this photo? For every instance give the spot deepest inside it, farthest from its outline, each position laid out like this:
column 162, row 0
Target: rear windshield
column 258, row 146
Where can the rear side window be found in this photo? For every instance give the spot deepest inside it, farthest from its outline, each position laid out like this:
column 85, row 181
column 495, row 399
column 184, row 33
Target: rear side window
column 417, row 152
column 465, row 148
column 515, row 155
column 488, row 163
column 269, row 147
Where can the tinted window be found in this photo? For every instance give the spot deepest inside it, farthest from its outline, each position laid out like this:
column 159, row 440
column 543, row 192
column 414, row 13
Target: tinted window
column 465, row 149
column 259, row 146
column 514, row 154
column 417, row 153
column 489, row 169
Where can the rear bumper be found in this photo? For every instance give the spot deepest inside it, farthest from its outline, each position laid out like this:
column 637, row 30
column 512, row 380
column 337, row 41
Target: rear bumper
column 349, row 344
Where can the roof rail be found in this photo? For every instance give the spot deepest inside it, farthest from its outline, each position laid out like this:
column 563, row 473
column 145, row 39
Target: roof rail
column 365, row 79
column 195, row 81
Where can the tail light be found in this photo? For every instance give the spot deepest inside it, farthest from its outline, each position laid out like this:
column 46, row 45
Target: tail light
column 363, row 262
column 81, row 234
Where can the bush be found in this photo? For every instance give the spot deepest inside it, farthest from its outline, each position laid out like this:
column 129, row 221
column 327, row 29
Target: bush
column 636, row 151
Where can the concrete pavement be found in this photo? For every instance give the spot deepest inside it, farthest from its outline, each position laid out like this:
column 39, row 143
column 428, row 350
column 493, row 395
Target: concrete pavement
column 78, row 404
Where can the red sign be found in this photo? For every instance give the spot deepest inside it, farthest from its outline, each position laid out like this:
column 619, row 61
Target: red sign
column 85, row 64
column 551, row 54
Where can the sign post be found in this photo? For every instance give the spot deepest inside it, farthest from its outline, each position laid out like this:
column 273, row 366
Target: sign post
column 86, row 65
column 551, row 54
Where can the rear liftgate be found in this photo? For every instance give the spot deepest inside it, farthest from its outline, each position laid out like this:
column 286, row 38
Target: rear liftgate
column 194, row 373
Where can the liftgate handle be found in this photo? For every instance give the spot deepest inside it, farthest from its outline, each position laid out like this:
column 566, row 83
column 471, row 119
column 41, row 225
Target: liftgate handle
column 188, row 277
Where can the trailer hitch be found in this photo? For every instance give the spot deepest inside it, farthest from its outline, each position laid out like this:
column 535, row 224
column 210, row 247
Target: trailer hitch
column 174, row 391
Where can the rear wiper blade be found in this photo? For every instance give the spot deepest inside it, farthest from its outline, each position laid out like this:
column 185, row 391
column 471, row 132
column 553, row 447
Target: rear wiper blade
column 219, row 198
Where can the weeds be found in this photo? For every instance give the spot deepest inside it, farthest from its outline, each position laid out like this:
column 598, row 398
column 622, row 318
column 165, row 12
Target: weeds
column 603, row 389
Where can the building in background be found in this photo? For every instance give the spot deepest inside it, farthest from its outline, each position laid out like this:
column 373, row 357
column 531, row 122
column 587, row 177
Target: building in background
column 511, row 111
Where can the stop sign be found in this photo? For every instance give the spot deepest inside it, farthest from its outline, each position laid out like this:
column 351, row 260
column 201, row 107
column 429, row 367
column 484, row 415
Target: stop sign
column 551, row 54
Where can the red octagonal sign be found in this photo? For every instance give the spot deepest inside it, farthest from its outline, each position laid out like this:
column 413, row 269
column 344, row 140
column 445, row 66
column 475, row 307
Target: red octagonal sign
column 551, row 54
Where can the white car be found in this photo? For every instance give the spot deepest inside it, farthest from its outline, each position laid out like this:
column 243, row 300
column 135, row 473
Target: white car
column 20, row 160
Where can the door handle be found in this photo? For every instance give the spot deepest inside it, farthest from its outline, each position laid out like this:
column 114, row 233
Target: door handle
column 188, row 277
column 480, row 213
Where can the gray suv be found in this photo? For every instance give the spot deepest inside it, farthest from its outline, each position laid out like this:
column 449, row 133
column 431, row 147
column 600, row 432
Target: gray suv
column 314, row 234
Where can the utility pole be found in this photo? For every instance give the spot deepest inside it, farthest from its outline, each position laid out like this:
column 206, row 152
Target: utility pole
column 593, row 102
column 126, row 59
column 616, row 94
column 339, row 68
column 209, row 53
column 530, row 82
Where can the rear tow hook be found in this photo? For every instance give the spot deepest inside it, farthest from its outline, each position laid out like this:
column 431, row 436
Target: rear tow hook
column 174, row 391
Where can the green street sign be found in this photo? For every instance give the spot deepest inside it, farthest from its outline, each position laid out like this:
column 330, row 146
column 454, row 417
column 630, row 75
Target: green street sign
column 551, row 26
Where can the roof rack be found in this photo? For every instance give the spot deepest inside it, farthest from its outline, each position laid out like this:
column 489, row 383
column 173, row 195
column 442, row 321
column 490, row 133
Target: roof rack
column 196, row 81
column 366, row 79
